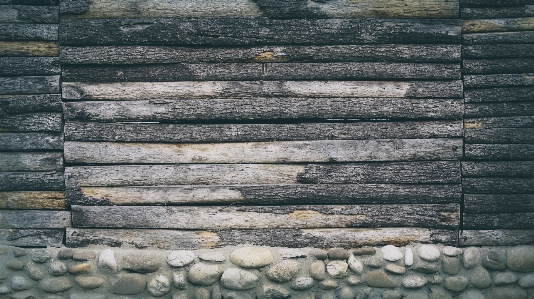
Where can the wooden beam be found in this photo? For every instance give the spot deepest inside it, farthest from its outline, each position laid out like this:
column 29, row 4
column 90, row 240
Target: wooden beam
column 499, row 151
column 498, row 185
column 498, row 203
column 32, row 122
column 497, row 12
column 29, row 32
column 497, row 237
column 34, row 219
column 16, row 104
column 32, row 181
column 498, row 220
column 499, row 80
column 32, row 237
column 516, row 37
column 33, row 200
column 31, row 161
column 29, row 14
column 28, row 48
column 498, row 25
column 498, row 51
column 498, row 169
column 500, row 135
column 495, row 3
column 499, row 122
column 26, row 66
column 30, row 141
column 29, row 84
column 501, row 94
column 498, row 66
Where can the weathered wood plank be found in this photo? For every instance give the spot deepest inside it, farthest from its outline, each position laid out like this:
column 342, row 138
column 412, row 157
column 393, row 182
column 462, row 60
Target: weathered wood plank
column 264, row 71
column 294, row 238
column 26, row 66
column 32, row 237
column 31, row 181
column 327, row 53
column 250, row 89
column 31, row 161
column 30, row 2
column 499, row 122
column 254, row 217
column 500, row 135
column 185, row 174
column 29, row 32
column 22, row 49
column 506, row 94
column 498, row 169
column 498, row 25
column 35, row 200
column 498, row 51
column 267, row 194
column 499, row 80
column 498, row 66
column 499, row 237
column 498, row 185
column 264, row 152
column 498, row 221
column 257, row 31
column 497, row 12
column 499, row 151
column 29, row 84
column 32, row 122
column 30, row 141
column 29, row 14
column 263, row 108
column 517, row 37
column 145, row 132
column 15, row 104
column 498, row 203
column 34, row 219
column 495, row 3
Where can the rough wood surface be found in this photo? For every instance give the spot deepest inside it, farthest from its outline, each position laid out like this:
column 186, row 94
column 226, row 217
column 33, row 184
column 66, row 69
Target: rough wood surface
column 34, row 200
column 32, row 181
column 29, row 32
column 26, row 66
column 267, row 194
column 31, row 161
column 497, row 3
column 263, row 108
column 499, row 122
column 517, row 37
column 498, row 237
column 327, row 53
column 498, row 25
column 498, row 169
column 498, row 185
column 498, row 51
column 29, row 84
column 29, row 14
column 497, row 12
column 32, row 237
column 30, row 2
column 497, row 66
column 500, row 135
column 264, row 152
column 499, row 151
column 498, row 221
column 30, row 141
column 250, row 217
column 499, row 80
column 144, row 132
column 32, row 122
column 34, row 219
column 505, row 94
column 29, row 48
column 499, row 109
column 295, row 238
column 15, row 104
column 498, row 203
column 257, row 31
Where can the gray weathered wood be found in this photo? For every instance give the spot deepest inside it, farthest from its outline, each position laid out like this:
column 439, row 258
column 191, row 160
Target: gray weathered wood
column 264, row 152
column 251, row 89
column 327, row 53
column 30, row 2
column 29, row 85
column 498, row 221
column 31, row 181
column 32, row 122
column 146, row 132
column 499, row 151
column 505, row 94
column 497, row 12
column 25, row 48
column 31, row 161
column 498, row 203
column 257, row 31
column 34, row 219
column 29, row 14
column 498, row 51
column 497, row 3
column 32, row 237
column 499, row 80
column 498, row 237
column 15, row 104
column 30, row 141
column 295, row 238
column 499, row 122
column 34, row 200
column 26, row 66
column 263, row 108
column 498, row 66
column 250, row 217
column 27, row 32
column 500, row 135
column 267, row 194
column 517, row 37
column 498, row 185
column 498, row 25
column 498, row 169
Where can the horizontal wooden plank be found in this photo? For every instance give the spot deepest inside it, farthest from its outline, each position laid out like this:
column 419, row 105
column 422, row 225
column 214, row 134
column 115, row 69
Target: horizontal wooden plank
column 263, row 71
column 498, row 203
column 505, row 94
column 497, row 12
column 498, row 25
column 499, row 122
column 309, row 53
column 498, row 185
column 499, row 237
column 263, row 108
column 264, row 152
column 32, row 122
column 29, row 66
column 499, row 151
column 34, row 200
column 498, row 51
column 29, row 32
column 146, row 132
column 185, row 174
column 32, row 237
column 30, row 141
column 293, row 238
column 267, row 194
column 16, row 104
column 254, row 217
column 498, row 169
column 29, row 84
column 26, row 48
column 250, row 89
column 498, row 221
column 34, row 219
column 31, row 2
column 500, row 135
column 497, row 3
column 498, row 66
column 515, row 37
column 499, row 80
column 29, row 14
column 31, row 161
column 32, row 181
column 257, row 31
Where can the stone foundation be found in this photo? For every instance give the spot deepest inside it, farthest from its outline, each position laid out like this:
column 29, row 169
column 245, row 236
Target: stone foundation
column 415, row 271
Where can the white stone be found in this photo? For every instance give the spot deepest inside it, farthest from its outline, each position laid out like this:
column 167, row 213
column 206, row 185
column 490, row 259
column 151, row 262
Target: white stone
column 212, row 257
column 238, row 279
column 106, row 261
column 355, row 264
column 179, row 280
column 302, row 283
column 391, row 253
column 57, row 268
column 19, row 283
column 4, row 290
column 429, row 253
column 408, row 257
column 451, row 251
column 252, row 257
column 414, row 282
column 180, row 258
column 337, row 269
column 471, row 257
column 159, row 285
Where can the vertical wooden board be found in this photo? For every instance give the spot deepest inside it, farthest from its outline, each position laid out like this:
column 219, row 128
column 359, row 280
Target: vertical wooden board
column 29, row 85
column 24, row 219
column 28, row 48
column 33, row 200
column 15, row 141
column 29, row 14
column 29, row 32
column 32, row 237
column 31, row 161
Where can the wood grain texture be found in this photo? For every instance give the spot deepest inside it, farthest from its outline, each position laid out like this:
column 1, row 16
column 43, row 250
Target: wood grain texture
column 257, row 31
column 498, row 221
column 254, row 217
column 515, row 37
column 498, row 185
column 499, row 151
column 33, row 200
column 32, row 122
column 34, row 219
column 500, row 135
column 28, row 32
column 497, row 12
column 31, row 2
column 498, row 169
column 28, row 48
column 32, row 237
column 498, row 51
column 310, row 53
column 32, row 181
column 31, row 161
column 499, row 122
column 498, row 25
column 497, row 237
column 16, row 104
column 498, row 66
column 500, row 80
column 30, row 141
column 26, row 66
column 29, row 14
column 498, row 203
column 145, row 132
column 29, row 84
column 497, row 3
column 504, row 94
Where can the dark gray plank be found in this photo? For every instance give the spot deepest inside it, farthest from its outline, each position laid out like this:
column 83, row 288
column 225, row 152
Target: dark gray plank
column 499, row 122
column 33, row 200
column 29, row 14
column 499, row 237
column 498, row 169
column 254, row 217
column 489, row 3
column 34, row 219
column 32, row 237
column 327, row 53
column 257, row 31
column 29, row 85
column 500, row 135
column 498, row 51
column 497, row 12
column 498, row 221
column 505, row 94
column 499, row 109
column 30, row 181
column 32, row 122
column 498, row 203
column 31, row 161
column 144, row 132
column 517, row 37
column 499, row 80
column 498, row 66
column 498, row 185
column 499, row 151
column 27, row 32
column 15, row 104
column 28, row 48
column 496, row 25
column 31, row 2
column 29, row 66
column 30, row 141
